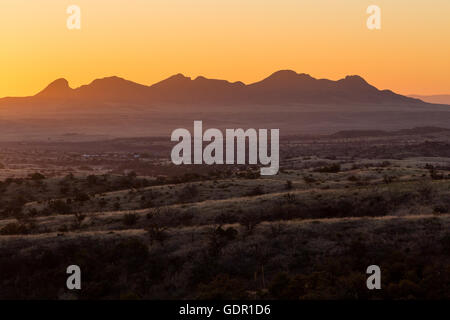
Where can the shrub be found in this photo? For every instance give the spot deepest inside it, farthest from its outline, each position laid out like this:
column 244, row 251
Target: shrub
column 440, row 209
column 249, row 223
column 289, row 185
column 309, row 179
column 37, row 176
column 225, row 218
column 91, row 180
column 257, row 191
column 14, row 228
column 81, row 197
column 388, row 179
column 426, row 192
column 59, row 207
column 332, row 168
column 157, row 234
column 130, row 219
column 79, row 217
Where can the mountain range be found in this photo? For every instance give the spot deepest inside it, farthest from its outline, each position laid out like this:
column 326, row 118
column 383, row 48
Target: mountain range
column 282, row 87
column 295, row 103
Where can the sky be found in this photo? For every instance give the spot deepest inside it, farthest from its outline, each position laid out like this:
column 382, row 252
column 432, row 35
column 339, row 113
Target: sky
column 238, row 40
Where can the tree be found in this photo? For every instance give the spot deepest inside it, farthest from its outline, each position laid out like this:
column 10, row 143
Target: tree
column 37, row 176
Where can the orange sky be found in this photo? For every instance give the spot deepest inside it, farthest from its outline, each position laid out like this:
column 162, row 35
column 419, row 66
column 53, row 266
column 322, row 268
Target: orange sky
column 149, row 40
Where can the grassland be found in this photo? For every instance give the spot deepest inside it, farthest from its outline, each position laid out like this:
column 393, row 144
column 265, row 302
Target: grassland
column 140, row 228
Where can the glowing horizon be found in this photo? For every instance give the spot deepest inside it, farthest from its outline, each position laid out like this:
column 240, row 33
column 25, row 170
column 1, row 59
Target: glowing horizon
column 234, row 40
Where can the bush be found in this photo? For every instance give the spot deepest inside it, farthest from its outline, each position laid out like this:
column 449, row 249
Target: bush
column 14, row 228
column 59, row 207
column 130, row 219
column 249, row 223
column 37, row 176
column 91, row 180
column 309, row 179
column 440, row 209
column 257, row 191
column 157, row 234
column 289, row 185
column 332, row 168
column 81, row 197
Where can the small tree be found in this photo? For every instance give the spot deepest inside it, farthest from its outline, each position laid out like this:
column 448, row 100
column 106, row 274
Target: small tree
column 289, row 185
column 79, row 217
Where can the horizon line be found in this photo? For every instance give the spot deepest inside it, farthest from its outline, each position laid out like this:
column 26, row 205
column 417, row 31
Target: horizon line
column 213, row 78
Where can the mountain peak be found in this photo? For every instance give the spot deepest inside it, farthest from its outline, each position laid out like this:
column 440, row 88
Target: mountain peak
column 354, row 80
column 110, row 81
column 57, row 89
column 201, row 78
column 178, row 76
column 111, row 89
column 286, row 76
column 176, row 81
column 285, row 72
column 60, row 82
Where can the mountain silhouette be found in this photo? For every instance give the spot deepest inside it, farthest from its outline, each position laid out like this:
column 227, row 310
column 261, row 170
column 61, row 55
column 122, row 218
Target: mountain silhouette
column 282, row 87
column 57, row 89
column 293, row 102
column 183, row 90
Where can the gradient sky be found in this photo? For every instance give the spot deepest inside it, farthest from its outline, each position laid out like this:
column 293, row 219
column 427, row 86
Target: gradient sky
column 148, row 40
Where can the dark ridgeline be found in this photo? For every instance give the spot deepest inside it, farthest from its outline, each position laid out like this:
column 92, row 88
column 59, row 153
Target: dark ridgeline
column 282, row 87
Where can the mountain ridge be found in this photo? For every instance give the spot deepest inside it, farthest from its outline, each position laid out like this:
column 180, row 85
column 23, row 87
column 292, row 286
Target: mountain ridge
column 281, row 87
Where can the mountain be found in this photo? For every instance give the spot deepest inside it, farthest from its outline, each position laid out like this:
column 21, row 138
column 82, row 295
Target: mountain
column 56, row 90
column 295, row 103
column 289, row 87
column 183, row 90
column 438, row 98
column 282, row 87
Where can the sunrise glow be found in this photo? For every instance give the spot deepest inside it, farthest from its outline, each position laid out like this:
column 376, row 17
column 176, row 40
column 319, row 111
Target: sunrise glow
column 147, row 41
